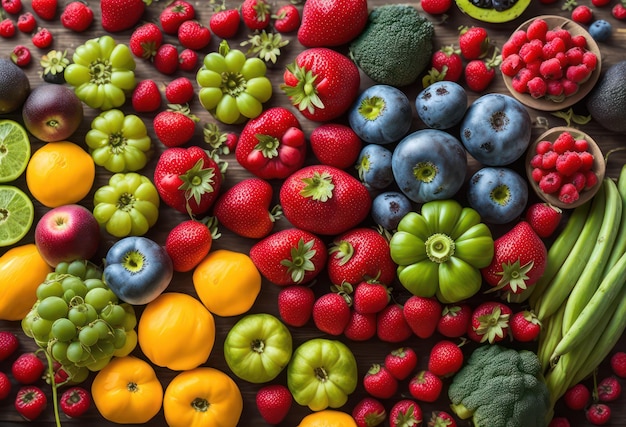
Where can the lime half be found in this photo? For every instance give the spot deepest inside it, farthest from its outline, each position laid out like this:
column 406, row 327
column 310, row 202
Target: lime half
column 14, row 150
column 16, row 214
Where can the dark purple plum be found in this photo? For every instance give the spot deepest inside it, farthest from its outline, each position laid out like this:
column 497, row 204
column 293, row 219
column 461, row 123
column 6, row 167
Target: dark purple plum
column 389, row 208
column 441, row 105
column 374, row 166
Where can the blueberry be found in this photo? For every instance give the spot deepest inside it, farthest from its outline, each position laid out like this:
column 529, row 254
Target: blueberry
column 441, row 105
column 389, row 208
column 374, row 166
column 498, row 194
column 600, row 30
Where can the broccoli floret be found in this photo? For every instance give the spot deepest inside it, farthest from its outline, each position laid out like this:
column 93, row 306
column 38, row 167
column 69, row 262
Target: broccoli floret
column 501, row 387
column 395, row 46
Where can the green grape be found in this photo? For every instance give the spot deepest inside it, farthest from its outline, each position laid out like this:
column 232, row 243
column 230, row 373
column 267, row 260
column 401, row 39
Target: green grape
column 63, row 329
column 78, row 315
column 120, row 338
column 42, row 343
column 75, row 351
column 69, row 295
column 61, row 267
column 130, row 321
column 88, row 336
column 98, row 364
column 58, row 350
column 104, row 330
column 106, row 347
column 75, row 284
column 93, row 271
column 52, row 308
column 27, row 321
column 86, row 357
column 79, row 374
column 94, row 283
column 41, row 329
column 99, row 298
column 77, row 268
column 92, row 314
column 114, row 315
column 49, row 288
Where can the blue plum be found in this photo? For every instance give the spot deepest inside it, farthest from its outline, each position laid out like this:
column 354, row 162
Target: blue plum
column 389, row 208
column 374, row 166
column 498, row 194
column 442, row 104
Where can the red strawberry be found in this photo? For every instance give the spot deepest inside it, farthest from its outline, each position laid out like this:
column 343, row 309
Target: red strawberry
column 490, row 322
column 441, row 419
column 405, row 412
column 577, row 397
column 322, row 83
column 473, row 42
column 422, row 314
column 187, row 60
column 26, row 22
column 77, row 16
column 379, row 382
column 598, row 414
column 618, row 364
column 446, row 65
column 12, row 6
column 256, row 14
column 360, row 327
column 609, row 389
column 582, row 14
column 27, row 368
column 479, row 73
column 391, row 326
column 175, row 126
column 42, row 38
column 425, row 386
column 331, row 313
column 519, row 260
column 287, row 19
column 21, row 55
column 619, row 11
column 7, row 28
column 401, row 362
column 166, row 59
column 436, row 7
column 187, row 179
column 332, row 23
column 558, row 421
column 225, row 23
column 335, row 145
column 370, row 296
column 245, row 208
column 8, row 344
column 30, row 402
column 146, row 97
column 369, row 412
column 5, row 386
column 179, row 91
column 45, row 9
column 272, row 145
column 446, row 358
column 120, row 15
column 295, row 304
column 289, row 256
column 175, row 14
column 544, row 218
column 525, row 326
column 454, row 320
column 193, row 35
column 273, row 402
column 360, row 254
column 146, row 40
column 75, row 401
column 324, row 200
column 188, row 243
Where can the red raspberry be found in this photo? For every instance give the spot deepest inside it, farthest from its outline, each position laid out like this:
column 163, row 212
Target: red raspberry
column 511, row 65
column 26, row 22
column 568, row 163
column 42, row 38
column 543, row 147
column 534, row 67
column 536, row 161
column 12, row 6
column 579, row 40
column 568, row 193
column 537, row 30
column 582, row 14
column 581, row 145
column 579, row 181
column 518, row 38
column 531, row 51
column 618, row 364
column 537, row 174
column 574, row 55
column 591, row 179
column 554, row 46
column 555, row 88
column 577, row 73
column 562, row 57
column 7, row 28
column 569, row 87
column 508, row 49
column 519, row 82
column 187, row 60
column 560, row 33
column 549, row 160
column 550, row 69
column 537, row 87
column 619, row 11
column 586, row 161
column 551, row 182
column 590, row 60
column 577, row 397
column 21, row 55
column 564, row 142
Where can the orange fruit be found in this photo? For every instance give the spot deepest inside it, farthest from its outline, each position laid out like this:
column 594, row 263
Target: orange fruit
column 328, row 418
column 60, row 173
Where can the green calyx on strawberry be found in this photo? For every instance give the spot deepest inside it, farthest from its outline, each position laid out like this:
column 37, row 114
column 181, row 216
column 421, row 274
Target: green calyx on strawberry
column 319, row 187
column 490, row 322
column 300, row 261
column 304, row 93
column 514, row 275
column 196, row 182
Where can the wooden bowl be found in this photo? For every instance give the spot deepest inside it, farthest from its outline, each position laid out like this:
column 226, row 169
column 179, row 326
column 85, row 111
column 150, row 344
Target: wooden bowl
column 599, row 167
column 548, row 104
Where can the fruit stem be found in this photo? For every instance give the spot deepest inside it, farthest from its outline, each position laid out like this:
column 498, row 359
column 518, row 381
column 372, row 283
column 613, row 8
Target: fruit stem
column 53, row 383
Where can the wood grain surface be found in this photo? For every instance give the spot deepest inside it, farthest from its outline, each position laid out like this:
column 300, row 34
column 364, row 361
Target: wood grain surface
column 369, row 352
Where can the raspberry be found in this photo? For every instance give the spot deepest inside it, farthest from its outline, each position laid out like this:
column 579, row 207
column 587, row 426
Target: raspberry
column 520, row 81
column 579, row 181
column 549, row 160
column 568, row 163
column 590, row 60
column 508, row 49
column 586, row 161
column 564, row 142
column 537, row 30
column 537, row 87
column 550, row 69
column 518, row 38
column 562, row 58
column 555, row 88
column 579, row 41
column 511, row 65
column 26, row 22
column 538, row 174
column 554, row 46
column 582, row 14
column 531, row 51
column 568, row 193
column 574, row 55
column 551, row 182
column 591, row 179
column 543, row 147
column 569, row 87
column 577, row 73
column 581, row 145
column 619, row 11
column 560, row 33
column 536, row 161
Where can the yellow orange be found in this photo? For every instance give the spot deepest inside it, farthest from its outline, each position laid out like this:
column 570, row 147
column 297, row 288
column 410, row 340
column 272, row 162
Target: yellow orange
column 60, row 173
column 328, row 418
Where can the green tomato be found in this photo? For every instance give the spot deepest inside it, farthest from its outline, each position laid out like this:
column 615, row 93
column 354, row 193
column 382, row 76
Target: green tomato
column 127, row 206
column 118, row 142
column 322, row 373
column 102, row 72
column 258, row 347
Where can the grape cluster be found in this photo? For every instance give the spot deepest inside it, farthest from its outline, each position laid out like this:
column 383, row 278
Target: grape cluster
column 78, row 319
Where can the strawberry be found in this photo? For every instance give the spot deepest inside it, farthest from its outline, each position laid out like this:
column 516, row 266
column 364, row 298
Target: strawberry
column 370, row 296
column 175, row 126
column 405, row 412
column 618, row 11
column 360, row 254
column 618, row 363
column 27, row 368
column 332, row 23
column 473, row 42
column 245, row 208
column 543, row 218
column 422, row 314
column 324, row 200
column 490, row 322
column 12, row 6
column 225, row 23
column 369, row 412
column 26, row 22
column 361, row 326
column 290, row 256
column 8, row 344
column 454, row 320
column 5, row 386
column 391, row 326
column 519, row 260
column 331, row 313
column 322, row 83
column 479, row 73
column 146, row 40
column 446, row 358
column 287, row 19
column 175, row 14
column 193, row 35
column 188, row 243
column 120, row 15
column 45, row 9
column 558, row 421
column 609, row 389
column 77, row 16
column 187, row 60
column 7, row 28
column 21, row 55
column 401, row 362
column 441, row 419
column 273, row 402
column 446, row 64
column 166, row 59
column 335, row 145
column 42, row 38
column 598, row 414
column 75, row 401
column 295, row 304
column 379, row 382
column 436, row 7
column 425, row 386
column 256, row 14
column 30, row 402
column 146, row 97
column 272, row 145
column 187, row 179
column 525, row 326
column 582, row 14
column 179, row 91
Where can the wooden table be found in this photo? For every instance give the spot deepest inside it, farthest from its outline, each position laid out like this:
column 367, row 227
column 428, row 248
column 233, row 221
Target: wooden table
column 368, row 352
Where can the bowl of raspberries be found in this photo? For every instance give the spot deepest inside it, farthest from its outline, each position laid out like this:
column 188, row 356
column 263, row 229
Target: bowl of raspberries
column 565, row 167
column 550, row 63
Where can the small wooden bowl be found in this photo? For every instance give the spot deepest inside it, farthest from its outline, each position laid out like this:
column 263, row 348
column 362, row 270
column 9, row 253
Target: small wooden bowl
column 547, row 104
column 599, row 167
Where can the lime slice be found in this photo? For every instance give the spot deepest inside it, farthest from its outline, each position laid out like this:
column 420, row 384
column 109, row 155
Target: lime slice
column 16, row 214
column 14, row 150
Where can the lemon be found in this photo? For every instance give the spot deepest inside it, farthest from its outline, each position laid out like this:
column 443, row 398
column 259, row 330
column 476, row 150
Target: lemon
column 14, row 150
column 16, row 214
